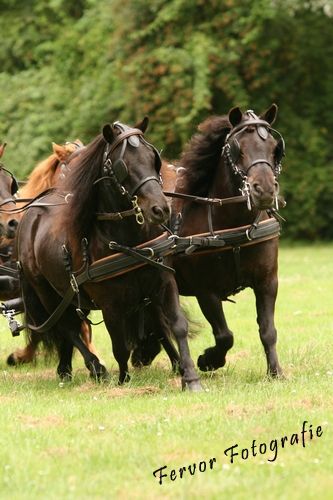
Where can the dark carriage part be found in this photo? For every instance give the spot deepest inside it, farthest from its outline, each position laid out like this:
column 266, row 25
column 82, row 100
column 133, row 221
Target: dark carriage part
column 9, row 309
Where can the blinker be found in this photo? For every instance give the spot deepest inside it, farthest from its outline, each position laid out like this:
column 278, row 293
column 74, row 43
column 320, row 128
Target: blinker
column 120, row 170
column 234, row 150
column 279, row 150
column 134, row 141
column 262, row 132
column 14, row 187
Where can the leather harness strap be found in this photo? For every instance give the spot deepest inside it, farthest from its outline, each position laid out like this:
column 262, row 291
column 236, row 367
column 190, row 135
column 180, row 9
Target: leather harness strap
column 227, row 239
column 149, row 252
column 108, row 268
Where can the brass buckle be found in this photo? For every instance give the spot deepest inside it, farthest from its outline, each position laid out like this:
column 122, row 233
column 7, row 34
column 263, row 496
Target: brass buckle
column 138, row 212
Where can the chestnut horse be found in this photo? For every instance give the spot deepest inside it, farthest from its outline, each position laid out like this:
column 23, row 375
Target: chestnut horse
column 114, row 200
column 238, row 152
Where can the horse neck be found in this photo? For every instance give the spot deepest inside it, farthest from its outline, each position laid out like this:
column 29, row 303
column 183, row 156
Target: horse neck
column 224, row 185
column 126, row 231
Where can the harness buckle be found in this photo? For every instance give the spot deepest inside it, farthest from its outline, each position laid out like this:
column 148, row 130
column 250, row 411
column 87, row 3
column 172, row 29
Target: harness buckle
column 74, row 285
column 81, row 314
column 245, row 190
column 138, row 212
column 151, row 252
column 247, row 232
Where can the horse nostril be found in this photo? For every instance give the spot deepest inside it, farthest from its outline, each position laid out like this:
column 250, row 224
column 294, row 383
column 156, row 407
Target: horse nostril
column 158, row 212
column 257, row 188
column 12, row 224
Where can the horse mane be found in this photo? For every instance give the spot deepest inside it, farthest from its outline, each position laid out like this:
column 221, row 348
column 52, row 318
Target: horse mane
column 201, row 156
column 84, row 170
column 41, row 178
column 45, row 175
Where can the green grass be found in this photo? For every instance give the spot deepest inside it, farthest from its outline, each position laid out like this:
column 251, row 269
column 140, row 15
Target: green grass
column 83, row 440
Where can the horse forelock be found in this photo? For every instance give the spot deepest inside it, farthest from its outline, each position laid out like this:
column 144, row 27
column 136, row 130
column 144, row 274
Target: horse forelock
column 202, row 155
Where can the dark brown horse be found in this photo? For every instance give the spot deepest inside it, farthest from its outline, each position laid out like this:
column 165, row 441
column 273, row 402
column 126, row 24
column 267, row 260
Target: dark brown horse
column 44, row 176
column 234, row 154
column 113, row 195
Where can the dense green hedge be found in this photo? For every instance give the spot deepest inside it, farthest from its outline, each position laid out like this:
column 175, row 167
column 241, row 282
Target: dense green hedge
column 69, row 66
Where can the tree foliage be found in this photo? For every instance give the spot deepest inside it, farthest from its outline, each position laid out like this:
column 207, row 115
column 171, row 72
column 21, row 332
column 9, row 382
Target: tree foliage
column 67, row 67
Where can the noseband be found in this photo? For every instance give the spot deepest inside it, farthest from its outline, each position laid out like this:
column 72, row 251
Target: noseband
column 231, row 152
column 117, row 171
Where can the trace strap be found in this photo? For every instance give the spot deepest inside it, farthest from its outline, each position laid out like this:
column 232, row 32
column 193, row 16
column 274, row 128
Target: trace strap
column 109, row 267
column 227, row 239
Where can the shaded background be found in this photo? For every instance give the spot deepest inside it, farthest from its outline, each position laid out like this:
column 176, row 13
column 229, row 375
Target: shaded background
column 67, row 67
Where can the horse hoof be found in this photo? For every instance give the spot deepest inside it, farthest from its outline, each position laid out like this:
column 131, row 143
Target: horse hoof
column 192, row 386
column 11, row 360
column 65, row 376
column 123, row 379
column 104, row 377
column 277, row 375
column 208, row 366
column 101, row 375
column 203, row 365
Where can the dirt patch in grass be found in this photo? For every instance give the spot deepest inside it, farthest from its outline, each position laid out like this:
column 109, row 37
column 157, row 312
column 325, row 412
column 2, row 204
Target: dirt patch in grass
column 32, row 422
column 116, row 392
column 238, row 355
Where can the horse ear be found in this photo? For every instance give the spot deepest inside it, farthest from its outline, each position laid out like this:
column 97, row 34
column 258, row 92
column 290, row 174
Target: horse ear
column 108, row 133
column 2, row 148
column 59, row 151
column 143, row 125
column 235, row 116
column 270, row 114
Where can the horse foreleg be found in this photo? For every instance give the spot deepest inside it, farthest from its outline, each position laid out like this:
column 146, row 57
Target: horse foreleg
column 86, row 334
column 69, row 329
column 214, row 357
column 65, row 351
column 120, row 351
column 265, row 302
column 169, row 316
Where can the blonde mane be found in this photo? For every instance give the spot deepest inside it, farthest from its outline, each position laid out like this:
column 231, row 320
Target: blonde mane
column 43, row 176
column 46, row 174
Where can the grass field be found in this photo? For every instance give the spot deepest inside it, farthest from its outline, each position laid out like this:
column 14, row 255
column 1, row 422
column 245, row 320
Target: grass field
column 83, row 440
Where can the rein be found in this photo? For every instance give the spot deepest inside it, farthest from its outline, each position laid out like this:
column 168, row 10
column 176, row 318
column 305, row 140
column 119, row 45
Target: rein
column 210, row 201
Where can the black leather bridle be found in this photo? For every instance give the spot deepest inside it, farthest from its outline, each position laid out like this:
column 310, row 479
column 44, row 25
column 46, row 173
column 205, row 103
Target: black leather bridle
column 231, row 151
column 117, row 171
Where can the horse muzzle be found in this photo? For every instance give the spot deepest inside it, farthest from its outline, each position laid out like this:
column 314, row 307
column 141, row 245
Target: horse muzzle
column 264, row 188
column 158, row 214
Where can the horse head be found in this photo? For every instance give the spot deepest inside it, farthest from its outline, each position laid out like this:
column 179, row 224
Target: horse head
column 133, row 166
column 8, row 188
column 254, row 151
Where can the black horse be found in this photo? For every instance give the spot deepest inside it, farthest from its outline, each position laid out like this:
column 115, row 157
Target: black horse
column 235, row 158
column 111, row 200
